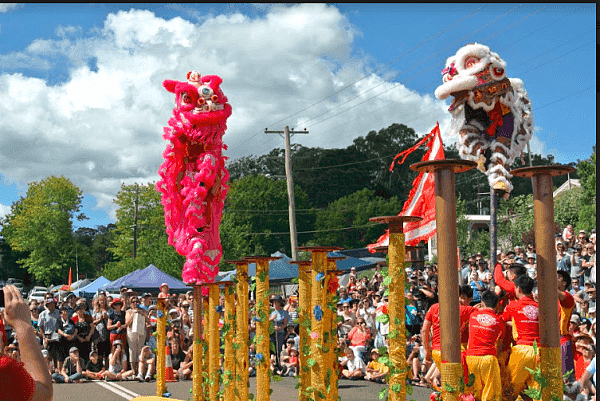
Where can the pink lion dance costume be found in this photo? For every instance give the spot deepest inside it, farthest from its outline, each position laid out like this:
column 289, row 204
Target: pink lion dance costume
column 193, row 176
column 490, row 113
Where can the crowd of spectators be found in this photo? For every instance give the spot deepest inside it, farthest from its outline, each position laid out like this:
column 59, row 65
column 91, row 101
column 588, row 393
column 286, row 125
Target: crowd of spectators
column 112, row 339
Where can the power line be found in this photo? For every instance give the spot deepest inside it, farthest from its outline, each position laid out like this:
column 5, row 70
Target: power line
column 317, row 231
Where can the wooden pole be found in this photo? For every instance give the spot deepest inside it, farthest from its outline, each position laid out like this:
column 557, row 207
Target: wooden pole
column 197, row 392
column 543, row 213
column 445, row 202
column 397, row 335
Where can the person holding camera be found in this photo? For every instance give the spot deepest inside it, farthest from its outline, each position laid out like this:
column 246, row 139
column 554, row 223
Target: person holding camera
column 117, row 363
column 28, row 380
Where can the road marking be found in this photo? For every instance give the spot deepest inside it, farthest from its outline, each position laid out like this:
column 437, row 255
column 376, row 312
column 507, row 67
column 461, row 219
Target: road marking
column 119, row 390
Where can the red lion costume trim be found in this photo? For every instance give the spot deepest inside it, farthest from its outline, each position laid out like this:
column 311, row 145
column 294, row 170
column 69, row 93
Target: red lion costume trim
column 193, row 176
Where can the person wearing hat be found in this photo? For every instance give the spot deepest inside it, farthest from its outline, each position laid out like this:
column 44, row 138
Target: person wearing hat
column 146, row 301
column 72, row 370
column 376, row 371
column 117, row 363
column 85, row 329
column 94, row 368
column 116, row 321
column 280, row 318
column 48, row 331
column 164, row 291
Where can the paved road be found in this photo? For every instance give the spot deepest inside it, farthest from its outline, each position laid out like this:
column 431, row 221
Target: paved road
column 282, row 391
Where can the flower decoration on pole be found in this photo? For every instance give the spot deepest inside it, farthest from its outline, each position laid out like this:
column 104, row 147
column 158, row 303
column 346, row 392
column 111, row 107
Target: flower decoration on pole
column 333, row 284
column 314, row 335
column 318, row 312
column 320, row 276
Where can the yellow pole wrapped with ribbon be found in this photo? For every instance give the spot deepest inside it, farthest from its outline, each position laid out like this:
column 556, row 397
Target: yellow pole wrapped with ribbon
column 161, row 325
column 304, row 285
column 397, row 334
column 212, row 334
column 229, row 368
column 240, row 344
column 205, row 356
column 317, row 359
column 263, row 341
column 330, row 316
column 197, row 392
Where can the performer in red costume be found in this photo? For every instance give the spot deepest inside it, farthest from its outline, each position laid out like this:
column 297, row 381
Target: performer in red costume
column 486, row 330
column 566, row 305
column 523, row 315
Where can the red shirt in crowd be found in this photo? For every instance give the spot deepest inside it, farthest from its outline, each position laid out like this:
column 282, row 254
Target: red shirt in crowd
column 433, row 315
column 358, row 337
column 565, row 310
column 485, row 328
column 525, row 316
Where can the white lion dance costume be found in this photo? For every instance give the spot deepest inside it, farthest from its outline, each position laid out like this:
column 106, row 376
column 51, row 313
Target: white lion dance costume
column 193, row 176
column 490, row 112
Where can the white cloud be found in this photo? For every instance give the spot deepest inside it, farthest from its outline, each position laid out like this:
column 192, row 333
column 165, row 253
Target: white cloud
column 102, row 127
column 4, row 210
column 6, row 7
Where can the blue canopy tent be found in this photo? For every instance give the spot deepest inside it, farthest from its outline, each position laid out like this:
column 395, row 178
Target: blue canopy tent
column 90, row 289
column 118, row 283
column 150, row 278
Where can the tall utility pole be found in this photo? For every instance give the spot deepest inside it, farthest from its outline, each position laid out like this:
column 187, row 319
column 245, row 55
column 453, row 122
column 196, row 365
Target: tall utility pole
column 290, row 184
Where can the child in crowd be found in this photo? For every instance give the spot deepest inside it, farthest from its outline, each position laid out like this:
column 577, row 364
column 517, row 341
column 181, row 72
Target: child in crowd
column 94, row 368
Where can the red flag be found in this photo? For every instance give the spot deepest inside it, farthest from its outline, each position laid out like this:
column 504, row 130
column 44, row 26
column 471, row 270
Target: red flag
column 421, row 201
column 70, row 279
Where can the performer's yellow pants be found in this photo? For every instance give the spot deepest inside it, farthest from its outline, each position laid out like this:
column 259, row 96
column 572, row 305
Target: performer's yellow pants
column 437, row 358
column 521, row 357
column 504, row 373
column 487, row 385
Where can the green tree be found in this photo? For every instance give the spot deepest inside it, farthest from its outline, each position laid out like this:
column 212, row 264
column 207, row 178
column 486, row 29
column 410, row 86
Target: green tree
column 152, row 245
column 587, row 208
column 255, row 219
column 40, row 224
column 515, row 218
column 345, row 222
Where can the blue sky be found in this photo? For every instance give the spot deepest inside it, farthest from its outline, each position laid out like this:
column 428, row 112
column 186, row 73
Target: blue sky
column 81, row 94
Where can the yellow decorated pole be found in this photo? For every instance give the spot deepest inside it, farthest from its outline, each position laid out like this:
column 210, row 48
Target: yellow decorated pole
column 263, row 345
column 161, row 324
column 543, row 214
column 303, row 316
column 444, row 172
column 197, row 392
column 318, row 305
column 329, row 317
column 241, row 331
column 212, row 334
column 397, row 335
column 229, row 364
column 205, row 356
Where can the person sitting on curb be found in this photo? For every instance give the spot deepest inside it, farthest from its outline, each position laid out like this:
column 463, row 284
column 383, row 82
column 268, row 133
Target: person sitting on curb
column 28, row 380
column 354, row 367
column 376, row 371
column 117, row 365
column 72, row 369
column 94, row 368
column 147, row 361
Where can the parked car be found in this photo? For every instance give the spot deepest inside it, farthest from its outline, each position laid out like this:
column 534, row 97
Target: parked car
column 37, row 288
column 38, row 295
